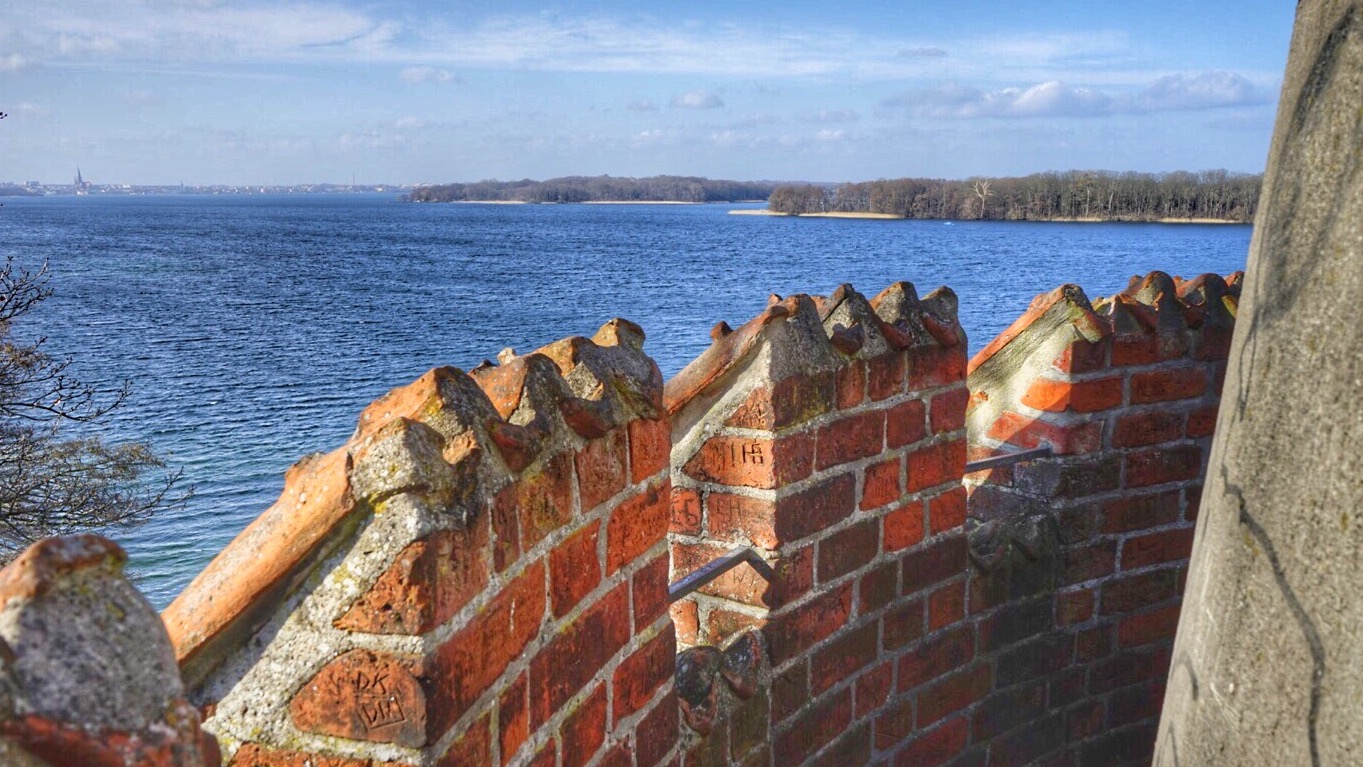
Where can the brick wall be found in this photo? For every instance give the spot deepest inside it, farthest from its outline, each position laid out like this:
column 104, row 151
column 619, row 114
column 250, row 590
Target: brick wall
column 828, row 434
column 492, row 588
column 479, row 576
column 1080, row 558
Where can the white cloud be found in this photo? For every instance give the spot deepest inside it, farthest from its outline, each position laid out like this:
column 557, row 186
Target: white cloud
column 428, row 75
column 1049, row 99
column 409, row 123
column 642, row 105
column 13, row 63
column 697, row 100
column 1207, row 90
column 830, row 116
column 829, row 134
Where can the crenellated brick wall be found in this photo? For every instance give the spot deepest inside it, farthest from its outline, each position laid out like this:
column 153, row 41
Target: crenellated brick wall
column 481, row 579
column 1080, row 558
column 828, row 434
column 480, row 574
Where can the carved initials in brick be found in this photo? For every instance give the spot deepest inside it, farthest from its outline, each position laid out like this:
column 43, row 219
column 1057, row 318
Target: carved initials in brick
column 376, row 707
column 750, row 453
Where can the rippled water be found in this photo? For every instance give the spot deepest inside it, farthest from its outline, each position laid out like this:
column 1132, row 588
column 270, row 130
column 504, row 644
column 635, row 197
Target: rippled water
column 254, row 329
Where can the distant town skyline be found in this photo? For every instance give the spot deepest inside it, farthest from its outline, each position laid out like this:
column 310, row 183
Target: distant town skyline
column 415, row 91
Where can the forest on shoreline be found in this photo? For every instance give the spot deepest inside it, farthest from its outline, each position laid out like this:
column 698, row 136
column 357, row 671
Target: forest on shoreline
column 1072, row 195
column 1213, row 195
column 598, row 189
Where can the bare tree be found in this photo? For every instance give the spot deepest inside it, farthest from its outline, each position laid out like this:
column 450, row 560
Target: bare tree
column 52, row 484
column 981, row 189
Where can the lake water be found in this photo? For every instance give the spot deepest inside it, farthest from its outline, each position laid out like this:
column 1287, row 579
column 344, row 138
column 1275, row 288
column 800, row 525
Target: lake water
column 255, row 329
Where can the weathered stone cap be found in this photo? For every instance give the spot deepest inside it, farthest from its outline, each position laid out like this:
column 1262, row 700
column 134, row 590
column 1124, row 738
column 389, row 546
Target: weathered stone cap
column 1153, row 304
column 817, row 331
column 87, row 674
column 431, row 438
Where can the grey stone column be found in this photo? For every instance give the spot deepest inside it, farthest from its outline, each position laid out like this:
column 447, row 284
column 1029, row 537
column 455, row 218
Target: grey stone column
column 1268, row 665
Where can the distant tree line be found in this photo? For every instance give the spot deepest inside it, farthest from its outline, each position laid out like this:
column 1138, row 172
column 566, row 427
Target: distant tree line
column 1103, row 195
column 597, row 189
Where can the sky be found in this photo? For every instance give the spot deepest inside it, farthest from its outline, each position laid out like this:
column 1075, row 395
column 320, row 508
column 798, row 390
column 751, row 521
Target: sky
column 432, row 91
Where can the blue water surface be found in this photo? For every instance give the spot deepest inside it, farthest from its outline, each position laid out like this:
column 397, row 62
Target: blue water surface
column 255, row 328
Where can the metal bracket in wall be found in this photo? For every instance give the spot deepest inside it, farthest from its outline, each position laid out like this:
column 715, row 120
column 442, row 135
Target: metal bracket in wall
column 688, row 585
column 1007, row 460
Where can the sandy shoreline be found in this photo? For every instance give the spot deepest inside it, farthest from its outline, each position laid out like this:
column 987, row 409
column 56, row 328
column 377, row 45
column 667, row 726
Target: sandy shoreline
column 766, row 212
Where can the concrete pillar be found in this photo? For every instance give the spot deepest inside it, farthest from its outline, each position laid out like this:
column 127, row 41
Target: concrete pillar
column 1268, row 663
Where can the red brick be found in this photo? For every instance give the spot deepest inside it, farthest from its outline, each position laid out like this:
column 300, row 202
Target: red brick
column 947, row 511
column 948, row 410
column 755, row 412
column 1202, row 422
column 637, row 525
column 601, row 469
column 932, row 367
column 741, row 584
column 724, row 624
column 1076, row 396
column 794, row 456
column 738, row 461
column 905, row 423
column 903, row 527
column 686, row 518
column 1160, row 465
column 1167, row 385
column 885, row 375
column 816, row 509
column 936, row 465
column 617, row 756
column 1028, row 433
column 946, row 606
column 814, row 729
column 882, row 484
column 1092, row 644
column 1138, row 512
column 873, row 689
column 649, row 589
column 686, row 619
column 577, row 653
column 1129, row 667
column 738, row 518
column 574, row 569
column 656, row 734
column 513, row 718
column 640, row 674
column 473, row 747
column 1085, row 563
column 940, row 561
column 878, row 587
column 364, row 696
column 1135, row 592
column 789, row 691
column 1147, row 428
column 936, row 747
column 904, row 622
column 1155, row 548
column 1193, row 500
column 848, row 550
column 523, row 513
column 1073, row 607
column 1082, row 357
column 650, row 447
column 1212, row 343
column 895, row 724
column 1085, row 719
column 850, row 439
column 794, row 574
column 431, row 580
column 472, row 659
column 793, row 632
column 798, row 398
column 851, row 384
column 1144, row 628
column 584, row 730
column 844, row 657
column 953, row 694
column 1134, row 349
column 1135, row 703
column 64, row 752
